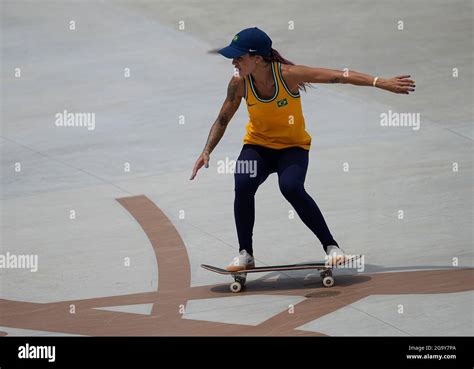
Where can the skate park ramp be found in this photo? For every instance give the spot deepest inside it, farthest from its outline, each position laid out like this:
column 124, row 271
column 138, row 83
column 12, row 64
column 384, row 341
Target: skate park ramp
column 102, row 217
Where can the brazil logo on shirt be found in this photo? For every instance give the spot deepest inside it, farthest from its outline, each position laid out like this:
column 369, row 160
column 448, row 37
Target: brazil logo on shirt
column 283, row 102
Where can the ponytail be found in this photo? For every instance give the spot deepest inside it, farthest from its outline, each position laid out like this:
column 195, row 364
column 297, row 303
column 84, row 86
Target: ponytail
column 275, row 56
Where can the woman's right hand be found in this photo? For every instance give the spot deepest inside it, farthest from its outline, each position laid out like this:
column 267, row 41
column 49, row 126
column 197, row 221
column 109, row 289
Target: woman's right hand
column 202, row 160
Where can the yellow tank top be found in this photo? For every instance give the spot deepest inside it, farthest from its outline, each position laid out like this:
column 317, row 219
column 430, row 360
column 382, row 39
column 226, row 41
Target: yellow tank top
column 278, row 122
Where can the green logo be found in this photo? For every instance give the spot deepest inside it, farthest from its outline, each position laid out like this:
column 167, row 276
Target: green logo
column 236, row 37
column 283, row 102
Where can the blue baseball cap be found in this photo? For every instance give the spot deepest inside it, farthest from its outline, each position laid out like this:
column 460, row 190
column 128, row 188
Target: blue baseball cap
column 251, row 41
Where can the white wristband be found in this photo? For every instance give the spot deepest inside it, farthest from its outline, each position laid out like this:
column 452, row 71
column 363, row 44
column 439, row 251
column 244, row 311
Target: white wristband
column 375, row 81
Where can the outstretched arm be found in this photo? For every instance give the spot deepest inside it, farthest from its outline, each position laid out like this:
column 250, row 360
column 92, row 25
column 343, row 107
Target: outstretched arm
column 300, row 74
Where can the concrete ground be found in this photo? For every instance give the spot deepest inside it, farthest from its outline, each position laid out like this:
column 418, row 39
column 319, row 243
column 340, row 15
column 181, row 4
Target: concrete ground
column 119, row 230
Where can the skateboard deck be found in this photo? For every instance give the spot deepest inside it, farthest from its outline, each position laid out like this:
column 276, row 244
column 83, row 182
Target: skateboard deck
column 240, row 276
column 270, row 268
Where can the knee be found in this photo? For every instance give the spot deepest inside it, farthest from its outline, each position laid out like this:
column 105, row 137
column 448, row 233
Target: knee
column 245, row 185
column 291, row 189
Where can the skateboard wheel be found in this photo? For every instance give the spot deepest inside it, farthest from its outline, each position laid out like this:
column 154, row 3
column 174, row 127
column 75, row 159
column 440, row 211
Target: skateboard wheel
column 235, row 287
column 328, row 281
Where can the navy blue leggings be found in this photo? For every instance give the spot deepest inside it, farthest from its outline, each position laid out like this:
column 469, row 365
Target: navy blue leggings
column 291, row 165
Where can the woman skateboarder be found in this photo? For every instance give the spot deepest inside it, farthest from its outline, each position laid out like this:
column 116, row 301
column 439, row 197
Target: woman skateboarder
column 276, row 139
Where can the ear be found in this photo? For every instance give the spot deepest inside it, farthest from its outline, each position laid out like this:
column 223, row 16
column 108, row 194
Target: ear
column 258, row 59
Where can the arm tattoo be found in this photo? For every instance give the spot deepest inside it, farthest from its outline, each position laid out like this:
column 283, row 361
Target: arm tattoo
column 335, row 80
column 217, row 131
column 231, row 91
column 223, row 119
column 220, row 125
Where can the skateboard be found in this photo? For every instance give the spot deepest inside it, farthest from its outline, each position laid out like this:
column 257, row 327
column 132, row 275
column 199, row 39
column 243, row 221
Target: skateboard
column 241, row 275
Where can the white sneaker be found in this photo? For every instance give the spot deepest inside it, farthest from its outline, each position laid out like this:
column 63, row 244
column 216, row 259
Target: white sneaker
column 335, row 256
column 241, row 262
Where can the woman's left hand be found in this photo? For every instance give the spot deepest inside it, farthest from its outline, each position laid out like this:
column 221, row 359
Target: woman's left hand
column 398, row 85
